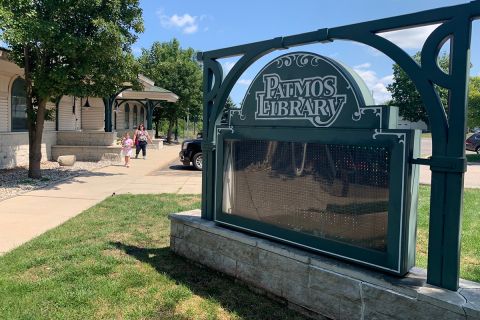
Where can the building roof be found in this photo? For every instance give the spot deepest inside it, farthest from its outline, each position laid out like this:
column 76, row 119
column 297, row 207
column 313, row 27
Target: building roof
column 153, row 93
column 146, row 82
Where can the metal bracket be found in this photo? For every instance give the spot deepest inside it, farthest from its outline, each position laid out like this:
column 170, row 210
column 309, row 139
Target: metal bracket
column 443, row 164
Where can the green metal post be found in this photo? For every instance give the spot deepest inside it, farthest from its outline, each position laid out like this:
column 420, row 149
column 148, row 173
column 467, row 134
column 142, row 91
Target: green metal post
column 57, row 104
column 108, row 102
column 149, row 115
column 208, row 177
column 447, row 183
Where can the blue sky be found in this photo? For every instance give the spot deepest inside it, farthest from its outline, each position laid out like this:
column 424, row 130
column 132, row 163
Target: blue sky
column 207, row 25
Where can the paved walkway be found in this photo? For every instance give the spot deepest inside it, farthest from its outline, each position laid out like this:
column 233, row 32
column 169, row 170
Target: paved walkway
column 472, row 176
column 471, row 180
column 31, row 214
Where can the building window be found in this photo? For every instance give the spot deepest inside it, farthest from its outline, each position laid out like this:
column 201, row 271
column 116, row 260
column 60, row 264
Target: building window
column 127, row 116
column 142, row 114
column 19, row 106
column 135, row 117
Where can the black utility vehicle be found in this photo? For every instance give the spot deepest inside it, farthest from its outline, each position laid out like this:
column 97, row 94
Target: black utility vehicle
column 191, row 153
column 473, row 142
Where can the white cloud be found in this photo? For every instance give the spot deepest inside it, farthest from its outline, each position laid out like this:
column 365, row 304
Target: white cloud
column 365, row 65
column 412, row 38
column 190, row 29
column 245, row 82
column 377, row 85
column 186, row 22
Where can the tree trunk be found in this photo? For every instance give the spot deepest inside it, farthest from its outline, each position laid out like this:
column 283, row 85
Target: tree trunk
column 35, row 133
column 35, row 121
column 171, row 122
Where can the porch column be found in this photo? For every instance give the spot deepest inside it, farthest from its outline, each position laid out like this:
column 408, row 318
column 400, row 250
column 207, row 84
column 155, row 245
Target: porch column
column 57, row 104
column 150, row 108
column 108, row 102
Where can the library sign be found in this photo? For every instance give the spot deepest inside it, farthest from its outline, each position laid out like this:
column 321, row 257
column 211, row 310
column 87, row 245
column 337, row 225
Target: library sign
column 311, row 161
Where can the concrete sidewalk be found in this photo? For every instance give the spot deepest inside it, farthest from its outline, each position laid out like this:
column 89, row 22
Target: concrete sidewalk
column 31, row 214
column 471, row 180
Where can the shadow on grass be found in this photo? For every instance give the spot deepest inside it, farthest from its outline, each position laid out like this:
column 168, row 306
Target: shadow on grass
column 209, row 284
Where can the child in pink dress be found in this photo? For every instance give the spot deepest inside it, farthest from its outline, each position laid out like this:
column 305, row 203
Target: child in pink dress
column 127, row 144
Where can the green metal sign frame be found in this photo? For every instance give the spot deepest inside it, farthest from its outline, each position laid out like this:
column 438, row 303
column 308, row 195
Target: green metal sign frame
column 448, row 162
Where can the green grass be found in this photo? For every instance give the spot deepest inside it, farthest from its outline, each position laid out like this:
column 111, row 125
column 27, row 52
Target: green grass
column 470, row 257
column 113, row 262
column 473, row 157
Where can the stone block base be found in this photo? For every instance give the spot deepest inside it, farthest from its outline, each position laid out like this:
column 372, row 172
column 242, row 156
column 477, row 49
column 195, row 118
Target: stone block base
column 156, row 144
column 86, row 138
column 318, row 286
column 14, row 148
column 85, row 153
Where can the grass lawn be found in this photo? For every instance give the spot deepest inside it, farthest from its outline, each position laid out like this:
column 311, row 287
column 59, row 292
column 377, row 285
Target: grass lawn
column 473, row 157
column 470, row 258
column 113, row 262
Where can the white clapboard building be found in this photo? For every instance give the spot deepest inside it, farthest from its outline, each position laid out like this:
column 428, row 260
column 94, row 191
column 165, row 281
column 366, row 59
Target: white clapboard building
column 87, row 130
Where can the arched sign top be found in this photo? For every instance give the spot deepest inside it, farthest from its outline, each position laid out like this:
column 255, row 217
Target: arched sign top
column 303, row 89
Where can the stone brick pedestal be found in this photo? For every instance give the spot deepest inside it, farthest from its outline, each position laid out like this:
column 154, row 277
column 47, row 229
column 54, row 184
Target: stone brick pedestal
column 318, row 286
column 85, row 145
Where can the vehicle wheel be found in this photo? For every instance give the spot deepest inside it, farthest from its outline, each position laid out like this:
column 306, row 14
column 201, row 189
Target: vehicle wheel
column 198, row 161
column 477, row 150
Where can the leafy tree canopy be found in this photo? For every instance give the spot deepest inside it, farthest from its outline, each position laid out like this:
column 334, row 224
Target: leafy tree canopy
column 77, row 47
column 406, row 97
column 473, row 112
column 175, row 69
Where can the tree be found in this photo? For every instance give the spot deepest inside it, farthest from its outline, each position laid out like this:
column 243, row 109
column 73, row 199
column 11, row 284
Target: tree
column 69, row 47
column 175, row 69
column 406, row 97
column 229, row 104
column 473, row 111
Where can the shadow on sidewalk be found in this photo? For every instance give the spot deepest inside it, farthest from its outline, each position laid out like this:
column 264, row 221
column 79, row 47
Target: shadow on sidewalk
column 209, row 284
column 183, row 168
column 79, row 174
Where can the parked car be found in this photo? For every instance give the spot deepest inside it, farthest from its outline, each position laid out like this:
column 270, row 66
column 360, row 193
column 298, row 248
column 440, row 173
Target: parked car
column 473, row 142
column 191, row 153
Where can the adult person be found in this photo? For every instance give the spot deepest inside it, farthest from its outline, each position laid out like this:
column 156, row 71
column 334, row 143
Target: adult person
column 141, row 137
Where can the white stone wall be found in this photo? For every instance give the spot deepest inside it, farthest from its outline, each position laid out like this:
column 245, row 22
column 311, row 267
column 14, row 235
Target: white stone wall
column 14, row 148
